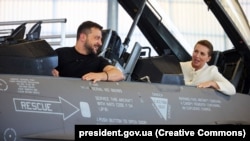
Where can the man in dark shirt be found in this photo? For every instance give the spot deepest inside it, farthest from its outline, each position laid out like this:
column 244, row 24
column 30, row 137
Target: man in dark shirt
column 81, row 61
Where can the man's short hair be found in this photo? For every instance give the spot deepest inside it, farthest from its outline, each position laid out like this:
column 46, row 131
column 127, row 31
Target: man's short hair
column 85, row 28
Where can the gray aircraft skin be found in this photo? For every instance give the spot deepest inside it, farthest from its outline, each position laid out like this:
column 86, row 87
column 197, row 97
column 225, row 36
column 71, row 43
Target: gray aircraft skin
column 35, row 106
column 44, row 107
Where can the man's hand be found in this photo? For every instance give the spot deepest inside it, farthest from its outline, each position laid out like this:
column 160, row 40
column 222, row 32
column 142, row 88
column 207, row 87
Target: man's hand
column 101, row 76
column 55, row 73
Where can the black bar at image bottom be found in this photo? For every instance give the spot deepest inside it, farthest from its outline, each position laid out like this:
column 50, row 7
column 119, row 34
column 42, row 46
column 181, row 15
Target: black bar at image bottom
column 161, row 132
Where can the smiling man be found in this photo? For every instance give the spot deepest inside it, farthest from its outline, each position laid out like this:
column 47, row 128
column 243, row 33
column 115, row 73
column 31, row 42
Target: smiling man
column 81, row 60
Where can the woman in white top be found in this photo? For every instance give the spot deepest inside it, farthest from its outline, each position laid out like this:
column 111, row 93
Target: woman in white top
column 198, row 73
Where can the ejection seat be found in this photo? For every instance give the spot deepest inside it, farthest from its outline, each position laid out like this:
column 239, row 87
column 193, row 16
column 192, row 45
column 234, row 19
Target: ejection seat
column 34, row 32
column 230, row 64
column 106, row 36
column 233, row 65
column 113, row 50
column 214, row 58
column 17, row 34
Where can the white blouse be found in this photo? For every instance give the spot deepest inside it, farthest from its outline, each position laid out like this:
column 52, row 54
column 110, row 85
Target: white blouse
column 206, row 73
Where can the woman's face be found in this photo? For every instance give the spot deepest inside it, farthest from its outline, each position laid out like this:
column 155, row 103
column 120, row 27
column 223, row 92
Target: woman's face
column 200, row 56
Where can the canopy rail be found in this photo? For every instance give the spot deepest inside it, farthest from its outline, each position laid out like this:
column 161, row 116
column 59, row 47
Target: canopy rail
column 61, row 36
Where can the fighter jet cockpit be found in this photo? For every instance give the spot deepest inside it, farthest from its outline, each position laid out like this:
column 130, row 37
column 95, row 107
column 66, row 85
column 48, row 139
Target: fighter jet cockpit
column 36, row 106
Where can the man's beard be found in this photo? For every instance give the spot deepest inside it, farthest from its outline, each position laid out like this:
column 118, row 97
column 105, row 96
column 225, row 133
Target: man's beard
column 89, row 49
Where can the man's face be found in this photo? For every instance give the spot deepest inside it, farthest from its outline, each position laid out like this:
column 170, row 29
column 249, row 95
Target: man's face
column 93, row 41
